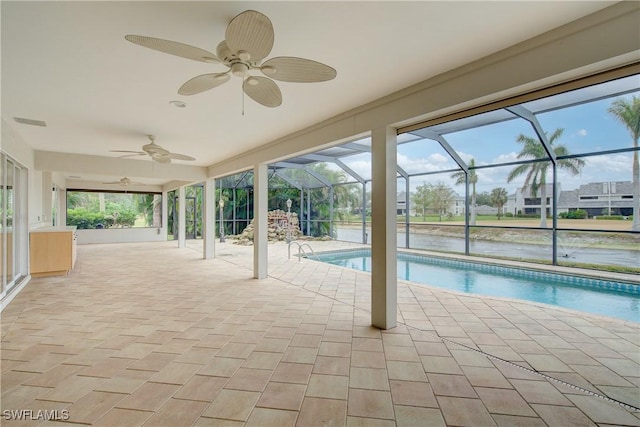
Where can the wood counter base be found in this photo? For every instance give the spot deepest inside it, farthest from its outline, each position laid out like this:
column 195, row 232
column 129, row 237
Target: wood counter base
column 52, row 253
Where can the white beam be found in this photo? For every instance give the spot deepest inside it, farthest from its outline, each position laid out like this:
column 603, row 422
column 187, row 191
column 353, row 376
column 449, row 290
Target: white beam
column 79, row 164
column 93, row 185
column 384, row 281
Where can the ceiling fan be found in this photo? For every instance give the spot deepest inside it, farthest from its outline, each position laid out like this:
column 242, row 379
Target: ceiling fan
column 248, row 40
column 125, row 182
column 156, row 152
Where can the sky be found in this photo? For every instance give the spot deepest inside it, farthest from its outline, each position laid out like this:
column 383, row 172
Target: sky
column 588, row 127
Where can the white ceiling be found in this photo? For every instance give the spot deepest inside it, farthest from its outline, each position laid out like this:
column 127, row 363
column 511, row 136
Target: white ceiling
column 68, row 64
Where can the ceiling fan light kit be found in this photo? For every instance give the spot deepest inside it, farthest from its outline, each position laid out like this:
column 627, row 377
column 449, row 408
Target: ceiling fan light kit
column 248, row 40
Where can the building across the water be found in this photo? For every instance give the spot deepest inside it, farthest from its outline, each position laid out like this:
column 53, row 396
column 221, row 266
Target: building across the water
column 596, row 198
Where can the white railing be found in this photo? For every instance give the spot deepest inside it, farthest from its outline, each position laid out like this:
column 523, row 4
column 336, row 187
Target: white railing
column 301, row 250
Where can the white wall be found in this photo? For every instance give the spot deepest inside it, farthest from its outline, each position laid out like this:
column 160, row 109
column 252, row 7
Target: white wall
column 16, row 148
column 121, row 235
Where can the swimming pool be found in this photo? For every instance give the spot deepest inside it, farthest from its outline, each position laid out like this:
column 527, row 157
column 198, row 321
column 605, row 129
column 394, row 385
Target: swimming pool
column 609, row 298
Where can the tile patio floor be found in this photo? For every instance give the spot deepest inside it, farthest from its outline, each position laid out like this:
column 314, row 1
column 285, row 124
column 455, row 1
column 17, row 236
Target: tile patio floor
column 150, row 334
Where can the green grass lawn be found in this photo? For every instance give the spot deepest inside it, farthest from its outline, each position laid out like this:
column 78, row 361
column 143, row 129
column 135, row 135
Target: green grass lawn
column 436, row 218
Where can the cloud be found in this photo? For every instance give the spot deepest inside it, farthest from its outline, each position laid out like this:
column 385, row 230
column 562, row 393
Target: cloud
column 361, row 167
column 433, row 163
column 438, row 158
column 505, row 158
column 582, row 132
column 467, row 157
column 608, row 168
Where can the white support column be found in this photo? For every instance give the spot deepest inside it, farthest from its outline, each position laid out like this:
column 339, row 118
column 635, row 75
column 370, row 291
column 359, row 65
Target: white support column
column 209, row 220
column 165, row 214
column 62, row 207
column 47, row 200
column 182, row 218
column 384, row 281
column 260, row 208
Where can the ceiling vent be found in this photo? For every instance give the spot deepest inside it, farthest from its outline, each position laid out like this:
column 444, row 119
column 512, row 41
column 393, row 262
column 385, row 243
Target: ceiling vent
column 30, row 122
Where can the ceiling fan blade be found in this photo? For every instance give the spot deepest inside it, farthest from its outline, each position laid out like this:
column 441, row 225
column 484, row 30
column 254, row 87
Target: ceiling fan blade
column 132, row 155
column 202, row 83
column 176, row 156
column 127, row 151
column 173, row 48
column 297, row 70
column 250, row 32
column 263, row 90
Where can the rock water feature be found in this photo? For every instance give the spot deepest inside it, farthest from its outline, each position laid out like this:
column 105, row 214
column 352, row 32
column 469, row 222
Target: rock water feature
column 279, row 223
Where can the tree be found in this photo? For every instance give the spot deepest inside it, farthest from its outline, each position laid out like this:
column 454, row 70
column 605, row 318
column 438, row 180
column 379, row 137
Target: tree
column 460, row 178
column 82, row 199
column 442, row 197
column 484, row 198
column 536, row 172
column 422, row 198
column 193, row 211
column 343, row 195
column 150, row 206
column 173, row 212
column 499, row 199
column 627, row 111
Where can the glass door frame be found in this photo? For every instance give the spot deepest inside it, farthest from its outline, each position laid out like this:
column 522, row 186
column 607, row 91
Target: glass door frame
column 13, row 236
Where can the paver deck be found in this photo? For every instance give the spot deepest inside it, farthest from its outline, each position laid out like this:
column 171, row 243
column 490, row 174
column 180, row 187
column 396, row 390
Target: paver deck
column 151, row 334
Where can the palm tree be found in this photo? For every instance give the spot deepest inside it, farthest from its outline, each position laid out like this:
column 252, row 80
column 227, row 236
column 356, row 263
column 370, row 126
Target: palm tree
column 460, row 178
column 343, row 195
column 150, row 206
column 627, row 111
column 499, row 198
column 537, row 171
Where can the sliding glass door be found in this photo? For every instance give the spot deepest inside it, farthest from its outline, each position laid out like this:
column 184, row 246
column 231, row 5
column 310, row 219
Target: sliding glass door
column 13, row 223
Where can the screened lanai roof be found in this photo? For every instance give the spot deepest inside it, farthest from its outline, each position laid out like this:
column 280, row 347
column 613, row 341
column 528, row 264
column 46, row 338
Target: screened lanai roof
column 352, row 157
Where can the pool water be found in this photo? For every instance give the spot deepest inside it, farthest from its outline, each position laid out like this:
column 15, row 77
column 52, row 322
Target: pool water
column 609, row 298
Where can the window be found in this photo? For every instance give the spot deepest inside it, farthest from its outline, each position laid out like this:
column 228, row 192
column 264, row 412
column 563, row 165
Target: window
column 540, row 170
column 100, row 210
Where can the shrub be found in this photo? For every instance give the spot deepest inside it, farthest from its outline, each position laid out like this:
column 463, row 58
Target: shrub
column 508, row 215
column 577, row 214
column 534, row 215
column 83, row 219
column 616, row 217
column 127, row 218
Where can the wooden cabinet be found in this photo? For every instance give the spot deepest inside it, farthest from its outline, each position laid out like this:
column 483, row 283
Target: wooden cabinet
column 52, row 251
